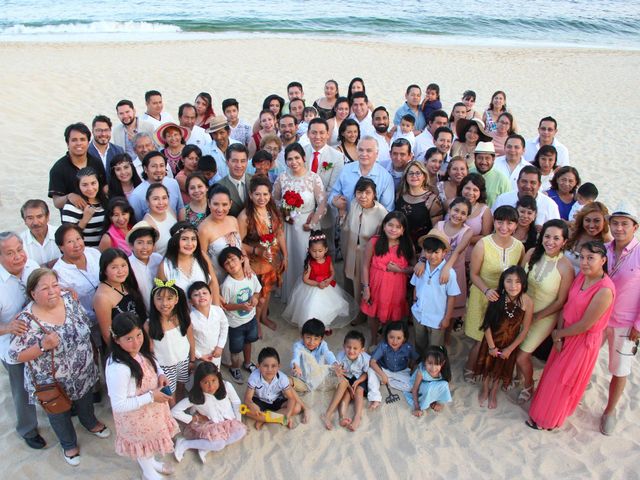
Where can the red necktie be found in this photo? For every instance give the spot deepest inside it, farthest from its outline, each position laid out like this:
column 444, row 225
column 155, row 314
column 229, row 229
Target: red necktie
column 314, row 164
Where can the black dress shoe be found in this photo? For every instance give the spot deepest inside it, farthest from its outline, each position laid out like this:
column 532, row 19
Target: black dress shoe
column 36, row 442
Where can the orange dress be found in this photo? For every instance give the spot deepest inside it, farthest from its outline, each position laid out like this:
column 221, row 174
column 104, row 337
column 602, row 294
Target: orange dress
column 269, row 273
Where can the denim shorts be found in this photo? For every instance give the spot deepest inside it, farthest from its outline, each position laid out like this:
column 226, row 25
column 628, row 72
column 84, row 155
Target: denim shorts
column 240, row 336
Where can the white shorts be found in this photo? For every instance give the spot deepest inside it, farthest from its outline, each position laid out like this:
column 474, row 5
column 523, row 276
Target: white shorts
column 620, row 351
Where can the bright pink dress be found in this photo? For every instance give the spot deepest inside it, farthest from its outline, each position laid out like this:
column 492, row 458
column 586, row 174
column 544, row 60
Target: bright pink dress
column 388, row 289
column 567, row 374
column 118, row 239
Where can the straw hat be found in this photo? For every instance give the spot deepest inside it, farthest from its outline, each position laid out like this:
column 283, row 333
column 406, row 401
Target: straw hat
column 435, row 233
column 159, row 133
column 624, row 209
column 485, row 147
column 463, row 125
column 217, row 123
column 143, row 225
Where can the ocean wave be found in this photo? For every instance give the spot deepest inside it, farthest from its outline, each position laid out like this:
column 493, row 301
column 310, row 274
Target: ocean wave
column 89, row 28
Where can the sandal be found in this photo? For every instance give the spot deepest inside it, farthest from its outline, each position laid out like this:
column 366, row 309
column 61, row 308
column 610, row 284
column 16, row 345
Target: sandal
column 458, row 324
column 525, row 395
column 249, row 367
column 469, row 376
column 531, row 424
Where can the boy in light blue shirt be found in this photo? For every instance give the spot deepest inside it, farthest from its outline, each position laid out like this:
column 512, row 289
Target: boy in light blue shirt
column 433, row 301
column 312, row 359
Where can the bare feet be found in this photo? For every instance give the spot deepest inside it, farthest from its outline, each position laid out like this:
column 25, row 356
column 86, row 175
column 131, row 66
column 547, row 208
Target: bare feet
column 345, row 422
column 417, row 413
column 493, row 399
column 374, row 405
column 267, row 322
column 259, row 425
column 305, row 417
column 327, row 420
column 482, row 398
column 355, row 423
column 437, row 407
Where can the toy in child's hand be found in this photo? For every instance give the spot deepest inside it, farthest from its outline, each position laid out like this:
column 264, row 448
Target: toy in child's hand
column 166, row 390
column 393, row 397
column 269, row 416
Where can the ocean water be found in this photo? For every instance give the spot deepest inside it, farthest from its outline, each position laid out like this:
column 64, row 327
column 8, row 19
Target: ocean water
column 602, row 23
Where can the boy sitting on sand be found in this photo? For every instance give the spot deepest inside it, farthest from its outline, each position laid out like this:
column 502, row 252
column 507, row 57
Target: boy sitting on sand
column 312, row 360
column 354, row 363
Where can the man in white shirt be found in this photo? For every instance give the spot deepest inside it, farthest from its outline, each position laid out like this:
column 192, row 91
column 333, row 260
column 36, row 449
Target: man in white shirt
column 361, row 114
column 529, row 183
column 220, row 133
column 100, row 145
column 130, row 125
column 38, row 240
column 154, row 114
column 327, row 162
column 425, row 141
column 15, row 269
column 547, row 130
column 511, row 163
column 187, row 119
column 380, row 119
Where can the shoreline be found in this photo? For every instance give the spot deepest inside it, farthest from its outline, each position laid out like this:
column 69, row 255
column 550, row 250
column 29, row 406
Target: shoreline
column 422, row 41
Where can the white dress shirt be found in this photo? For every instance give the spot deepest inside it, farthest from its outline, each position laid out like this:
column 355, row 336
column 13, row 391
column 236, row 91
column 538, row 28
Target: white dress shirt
column 41, row 253
column 164, row 118
column 533, row 145
column 502, row 166
column 547, row 208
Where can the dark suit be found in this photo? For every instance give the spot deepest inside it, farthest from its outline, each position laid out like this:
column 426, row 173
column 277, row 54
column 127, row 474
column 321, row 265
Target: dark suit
column 237, row 205
column 111, row 152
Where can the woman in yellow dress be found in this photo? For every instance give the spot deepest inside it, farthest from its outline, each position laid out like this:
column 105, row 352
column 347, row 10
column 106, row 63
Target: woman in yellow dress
column 491, row 256
column 550, row 276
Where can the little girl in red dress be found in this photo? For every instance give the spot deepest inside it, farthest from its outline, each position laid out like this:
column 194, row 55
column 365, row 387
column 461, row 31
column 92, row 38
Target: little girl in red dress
column 317, row 295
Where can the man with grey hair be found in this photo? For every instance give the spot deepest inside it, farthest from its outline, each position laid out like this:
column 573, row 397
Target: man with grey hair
column 343, row 190
column 39, row 240
column 15, row 269
column 143, row 144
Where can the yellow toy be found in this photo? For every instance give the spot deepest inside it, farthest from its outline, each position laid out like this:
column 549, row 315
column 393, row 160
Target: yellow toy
column 269, row 416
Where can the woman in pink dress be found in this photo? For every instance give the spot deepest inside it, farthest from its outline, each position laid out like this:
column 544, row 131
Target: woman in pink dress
column 577, row 340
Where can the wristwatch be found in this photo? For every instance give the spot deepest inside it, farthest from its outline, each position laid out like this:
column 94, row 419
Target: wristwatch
column 40, row 345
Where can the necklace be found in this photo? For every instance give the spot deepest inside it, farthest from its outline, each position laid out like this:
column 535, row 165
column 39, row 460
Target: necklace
column 433, row 274
column 510, row 313
column 121, row 291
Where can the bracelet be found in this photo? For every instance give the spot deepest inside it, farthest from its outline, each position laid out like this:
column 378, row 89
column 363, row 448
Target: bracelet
column 422, row 259
column 42, row 349
column 492, row 348
column 486, row 290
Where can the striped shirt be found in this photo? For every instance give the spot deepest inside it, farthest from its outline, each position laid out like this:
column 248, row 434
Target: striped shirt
column 93, row 231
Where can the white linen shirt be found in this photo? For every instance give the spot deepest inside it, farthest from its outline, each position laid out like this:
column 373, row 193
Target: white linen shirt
column 13, row 298
column 209, row 332
column 164, row 118
column 547, row 208
column 502, row 166
column 145, row 273
column 83, row 282
column 199, row 137
column 41, row 254
column 533, row 145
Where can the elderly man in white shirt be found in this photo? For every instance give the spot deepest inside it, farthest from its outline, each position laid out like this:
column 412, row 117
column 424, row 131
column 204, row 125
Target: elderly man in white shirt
column 154, row 114
column 547, row 130
column 529, row 184
column 38, row 240
column 187, row 119
column 15, row 269
column 511, row 163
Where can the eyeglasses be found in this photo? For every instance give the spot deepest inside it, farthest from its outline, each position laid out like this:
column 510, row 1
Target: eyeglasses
column 414, row 174
column 546, row 129
column 634, row 349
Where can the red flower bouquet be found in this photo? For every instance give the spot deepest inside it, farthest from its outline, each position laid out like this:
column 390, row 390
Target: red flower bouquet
column 267, row 241
column 291, row 202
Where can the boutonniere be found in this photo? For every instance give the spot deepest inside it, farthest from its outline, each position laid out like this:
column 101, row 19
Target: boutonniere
column 327, row 166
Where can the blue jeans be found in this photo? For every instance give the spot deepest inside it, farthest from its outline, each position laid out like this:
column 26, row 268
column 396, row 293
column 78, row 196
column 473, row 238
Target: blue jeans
column 62, row 424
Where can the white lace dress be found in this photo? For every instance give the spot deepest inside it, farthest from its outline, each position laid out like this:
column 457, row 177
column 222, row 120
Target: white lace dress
column 310, row 188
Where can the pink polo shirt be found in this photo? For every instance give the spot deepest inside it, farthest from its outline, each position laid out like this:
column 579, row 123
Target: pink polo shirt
column 625, row 274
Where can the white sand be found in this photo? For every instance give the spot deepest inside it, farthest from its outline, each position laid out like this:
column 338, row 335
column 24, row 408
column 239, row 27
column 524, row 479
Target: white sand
column 593, row 95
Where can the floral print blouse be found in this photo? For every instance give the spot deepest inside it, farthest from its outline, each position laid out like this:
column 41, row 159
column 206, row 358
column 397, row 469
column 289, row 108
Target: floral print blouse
column 75, row 369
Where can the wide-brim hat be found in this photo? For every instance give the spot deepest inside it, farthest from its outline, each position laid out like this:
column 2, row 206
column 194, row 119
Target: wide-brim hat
column 485, row 147
column 159, row 133
column 144, row 225
column 463, row 125
column 435, row 233
column 625, row 209
column 217, row 123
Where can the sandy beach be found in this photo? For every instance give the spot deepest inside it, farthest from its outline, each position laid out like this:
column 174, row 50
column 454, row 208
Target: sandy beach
column 594, row 97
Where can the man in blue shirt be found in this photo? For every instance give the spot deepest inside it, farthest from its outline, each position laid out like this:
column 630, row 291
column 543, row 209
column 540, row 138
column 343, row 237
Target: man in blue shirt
column 154, row 166
column 411, row 107
column 343, row 190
